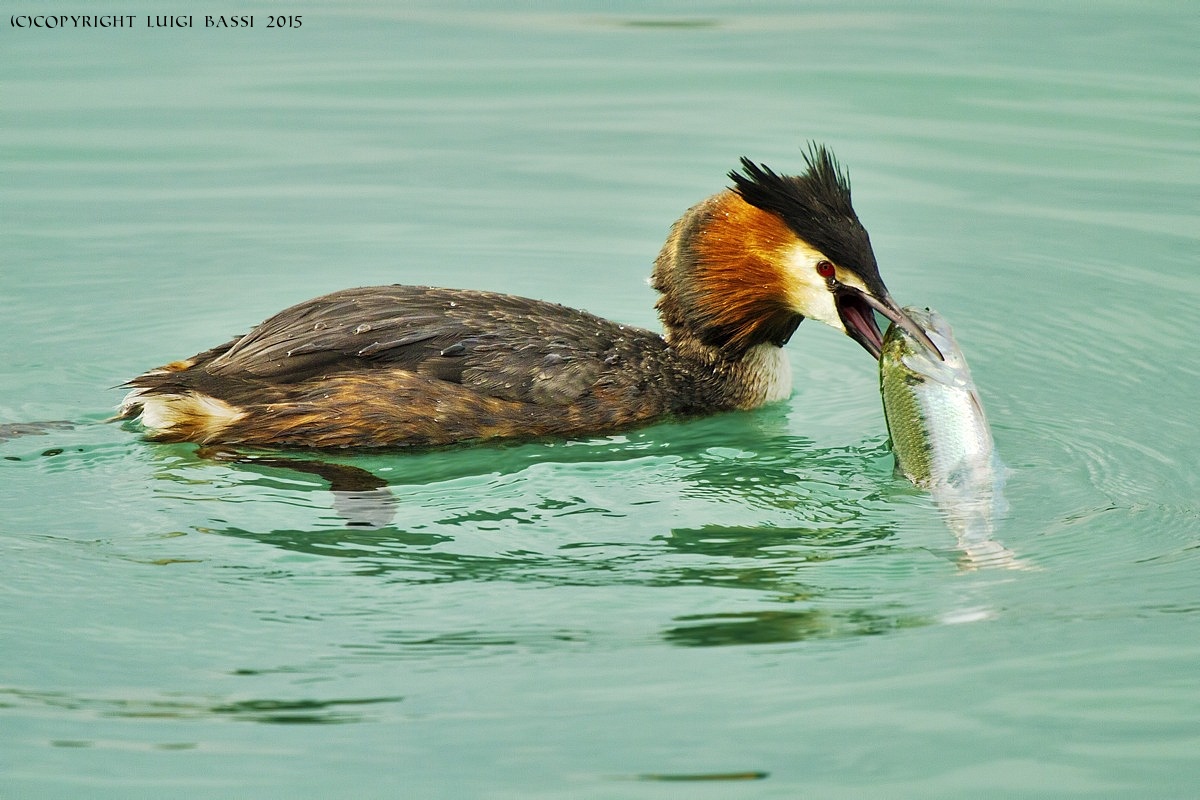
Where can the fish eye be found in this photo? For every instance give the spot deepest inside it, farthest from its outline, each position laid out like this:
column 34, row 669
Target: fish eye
column 825, row 269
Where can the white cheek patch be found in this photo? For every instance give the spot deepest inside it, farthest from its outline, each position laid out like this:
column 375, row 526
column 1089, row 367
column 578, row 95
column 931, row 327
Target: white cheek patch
column 808, row 293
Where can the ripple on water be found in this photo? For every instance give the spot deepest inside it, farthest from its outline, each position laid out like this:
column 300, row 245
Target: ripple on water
column 303, row 711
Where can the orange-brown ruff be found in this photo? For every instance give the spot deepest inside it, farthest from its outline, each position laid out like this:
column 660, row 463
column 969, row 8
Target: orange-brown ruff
column 389, row 366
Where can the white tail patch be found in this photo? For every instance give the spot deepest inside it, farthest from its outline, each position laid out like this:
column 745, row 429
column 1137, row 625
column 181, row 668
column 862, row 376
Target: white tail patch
column 188, row 413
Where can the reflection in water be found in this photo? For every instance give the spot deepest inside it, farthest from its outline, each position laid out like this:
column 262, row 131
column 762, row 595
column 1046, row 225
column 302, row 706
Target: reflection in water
column 559, row 514
column 422, row 645
column 775, row 563
column 674, row 22
column 703, row 776
column 773, row 627
column 81, row 448
column 395, row 553
column 297, row 711
column 15, row 430
column 809, row 543
column 745, row 459
column 365, row 545
column 359, row 497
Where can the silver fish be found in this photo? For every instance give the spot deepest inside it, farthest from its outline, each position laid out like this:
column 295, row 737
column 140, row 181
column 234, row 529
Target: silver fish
column 940, row 436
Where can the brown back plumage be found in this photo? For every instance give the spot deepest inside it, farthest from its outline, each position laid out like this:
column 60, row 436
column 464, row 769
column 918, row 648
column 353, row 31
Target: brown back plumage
column 405, row 365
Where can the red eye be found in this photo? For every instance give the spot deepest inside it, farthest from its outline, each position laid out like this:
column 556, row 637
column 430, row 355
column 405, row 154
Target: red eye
column 825, row 269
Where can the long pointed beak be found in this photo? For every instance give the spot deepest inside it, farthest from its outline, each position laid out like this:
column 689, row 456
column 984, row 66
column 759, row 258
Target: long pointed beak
column 891, row 309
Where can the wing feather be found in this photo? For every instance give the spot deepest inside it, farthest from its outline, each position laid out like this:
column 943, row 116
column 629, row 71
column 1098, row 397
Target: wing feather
column 507, row 347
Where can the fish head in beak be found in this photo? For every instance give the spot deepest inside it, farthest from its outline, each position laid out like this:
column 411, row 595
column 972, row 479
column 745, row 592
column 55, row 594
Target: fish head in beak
column 856, row 310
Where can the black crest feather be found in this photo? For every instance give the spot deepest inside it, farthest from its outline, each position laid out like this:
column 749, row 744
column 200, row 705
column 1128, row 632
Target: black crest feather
column 816, row 205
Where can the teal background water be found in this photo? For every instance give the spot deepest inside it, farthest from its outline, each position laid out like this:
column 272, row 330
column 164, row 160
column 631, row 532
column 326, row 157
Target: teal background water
column 752, row 596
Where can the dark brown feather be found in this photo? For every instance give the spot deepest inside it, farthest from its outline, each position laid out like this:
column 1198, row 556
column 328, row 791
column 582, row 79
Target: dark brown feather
column 405, row 365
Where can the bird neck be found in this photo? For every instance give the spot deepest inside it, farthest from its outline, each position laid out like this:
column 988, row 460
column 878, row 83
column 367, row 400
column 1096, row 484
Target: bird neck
column 723, row 300
column 722, row 288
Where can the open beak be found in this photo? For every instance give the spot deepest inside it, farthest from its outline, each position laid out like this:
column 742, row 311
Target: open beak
column 857, row 310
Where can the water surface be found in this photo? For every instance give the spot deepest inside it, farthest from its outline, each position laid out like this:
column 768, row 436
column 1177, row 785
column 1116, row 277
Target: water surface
column 748, row 605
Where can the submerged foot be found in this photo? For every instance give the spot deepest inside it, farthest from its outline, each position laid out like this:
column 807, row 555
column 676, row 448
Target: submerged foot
column 360, row 497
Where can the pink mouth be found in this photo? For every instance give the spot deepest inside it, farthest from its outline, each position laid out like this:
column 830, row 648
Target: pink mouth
column 859, row 319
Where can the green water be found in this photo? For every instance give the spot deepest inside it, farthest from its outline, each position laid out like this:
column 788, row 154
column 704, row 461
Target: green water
column 752, row 597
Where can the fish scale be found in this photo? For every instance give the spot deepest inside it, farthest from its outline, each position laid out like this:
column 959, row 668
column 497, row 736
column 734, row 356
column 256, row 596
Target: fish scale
column 931, row 405
column 940, row 436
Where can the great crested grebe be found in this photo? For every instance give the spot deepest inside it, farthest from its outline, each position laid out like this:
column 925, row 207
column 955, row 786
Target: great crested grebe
column 393, row 366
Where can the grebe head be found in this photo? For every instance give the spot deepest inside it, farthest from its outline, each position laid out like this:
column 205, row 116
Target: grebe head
column 746, row 266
